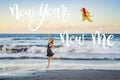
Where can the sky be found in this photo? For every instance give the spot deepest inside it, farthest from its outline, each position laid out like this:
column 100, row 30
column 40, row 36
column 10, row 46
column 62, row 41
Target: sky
column 105, row 16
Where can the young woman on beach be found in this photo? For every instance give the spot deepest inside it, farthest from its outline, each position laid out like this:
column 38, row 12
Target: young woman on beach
column 50, row 54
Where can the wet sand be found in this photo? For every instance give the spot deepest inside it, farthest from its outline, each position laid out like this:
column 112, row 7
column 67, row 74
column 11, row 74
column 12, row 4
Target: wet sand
column 87, row 74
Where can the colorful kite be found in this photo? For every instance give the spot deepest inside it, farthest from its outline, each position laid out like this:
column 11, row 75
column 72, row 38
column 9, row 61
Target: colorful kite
column 85, row 15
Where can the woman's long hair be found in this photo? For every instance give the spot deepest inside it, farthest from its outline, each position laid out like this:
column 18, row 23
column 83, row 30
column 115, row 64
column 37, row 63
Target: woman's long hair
column 52, row 41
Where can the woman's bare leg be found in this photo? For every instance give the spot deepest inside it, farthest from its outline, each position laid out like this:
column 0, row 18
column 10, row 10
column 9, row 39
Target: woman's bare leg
column 55, row 58
column 48, row 62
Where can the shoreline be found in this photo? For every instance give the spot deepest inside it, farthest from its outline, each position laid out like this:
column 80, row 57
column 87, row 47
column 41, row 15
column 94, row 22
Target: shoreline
column 85, row 74
column 37, row 57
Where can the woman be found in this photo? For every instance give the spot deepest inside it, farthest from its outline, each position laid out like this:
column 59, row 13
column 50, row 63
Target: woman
column 50, row 54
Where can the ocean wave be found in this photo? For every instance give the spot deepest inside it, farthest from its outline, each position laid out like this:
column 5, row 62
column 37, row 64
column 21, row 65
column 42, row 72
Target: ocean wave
column 74, row 48
column 37, row 43
column 6, row 39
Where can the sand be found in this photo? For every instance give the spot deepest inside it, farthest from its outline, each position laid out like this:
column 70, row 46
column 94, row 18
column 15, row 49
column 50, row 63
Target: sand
column 87, row 74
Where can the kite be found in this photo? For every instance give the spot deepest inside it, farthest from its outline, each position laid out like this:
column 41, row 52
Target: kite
column 85, row 15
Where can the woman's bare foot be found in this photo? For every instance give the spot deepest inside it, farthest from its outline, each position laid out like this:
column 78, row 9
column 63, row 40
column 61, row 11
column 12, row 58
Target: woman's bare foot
column 47, row 66
column 58, row 58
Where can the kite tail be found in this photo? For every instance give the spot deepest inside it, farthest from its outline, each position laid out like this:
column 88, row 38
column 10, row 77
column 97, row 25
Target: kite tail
column 88, row 19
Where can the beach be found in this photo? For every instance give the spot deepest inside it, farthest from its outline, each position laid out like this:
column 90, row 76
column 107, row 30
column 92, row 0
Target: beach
column 60, row 40
column 35, row 69
column 68, row 75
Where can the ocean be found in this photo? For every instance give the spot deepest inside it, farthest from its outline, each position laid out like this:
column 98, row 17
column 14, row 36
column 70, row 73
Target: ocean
column 22, row 53
column 34, row 45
